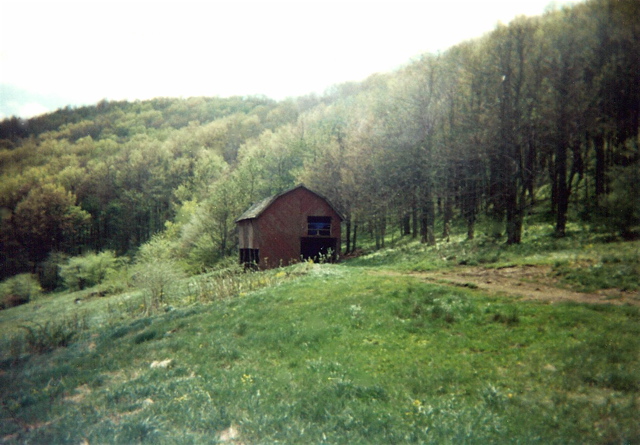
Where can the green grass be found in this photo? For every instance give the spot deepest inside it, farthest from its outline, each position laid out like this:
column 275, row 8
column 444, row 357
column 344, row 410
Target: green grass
column 583, row 261
column 335, row 354
column 621, row 270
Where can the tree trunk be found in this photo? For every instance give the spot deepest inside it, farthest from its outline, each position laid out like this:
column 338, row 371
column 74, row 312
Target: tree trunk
column 471, row 226
column 530, row 173
column 427, row 231
column 598, row 143
column 447, row 216
column 514, row 218
column 414, row 219
column 382, row 228
column 348, row 234
column 562, row 144
column 562, row 188
column 355, row 238
column 406, row 224
column 553, row 177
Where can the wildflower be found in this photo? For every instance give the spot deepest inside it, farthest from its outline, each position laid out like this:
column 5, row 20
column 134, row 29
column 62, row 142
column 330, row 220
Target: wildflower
column 247, row 379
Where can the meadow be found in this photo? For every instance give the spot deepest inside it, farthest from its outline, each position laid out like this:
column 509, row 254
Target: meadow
column 337, row 353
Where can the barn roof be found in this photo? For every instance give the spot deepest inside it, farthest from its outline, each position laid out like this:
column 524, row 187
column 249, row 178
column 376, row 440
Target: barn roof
column 256, row 209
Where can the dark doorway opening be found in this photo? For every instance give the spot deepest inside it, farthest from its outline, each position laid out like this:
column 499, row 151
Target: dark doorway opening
column 318, row 248
column 250, row 258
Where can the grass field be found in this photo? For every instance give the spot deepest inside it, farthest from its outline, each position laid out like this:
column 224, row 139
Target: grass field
column 342, row 353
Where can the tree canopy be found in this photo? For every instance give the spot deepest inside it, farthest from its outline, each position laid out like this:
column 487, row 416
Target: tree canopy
column 543, row 111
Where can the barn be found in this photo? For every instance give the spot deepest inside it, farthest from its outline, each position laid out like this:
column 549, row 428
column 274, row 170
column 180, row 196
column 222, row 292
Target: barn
column 293, row 225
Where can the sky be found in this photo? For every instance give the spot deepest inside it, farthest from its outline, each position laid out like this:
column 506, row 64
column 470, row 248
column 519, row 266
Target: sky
column 54, row 54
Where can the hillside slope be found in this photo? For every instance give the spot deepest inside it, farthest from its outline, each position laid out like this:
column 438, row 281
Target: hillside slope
column 348, row 353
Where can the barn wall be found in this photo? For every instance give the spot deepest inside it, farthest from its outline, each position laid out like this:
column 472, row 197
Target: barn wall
column 246, row 231
column 277, row 231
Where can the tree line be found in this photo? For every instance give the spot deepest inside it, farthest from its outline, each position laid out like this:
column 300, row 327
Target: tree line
column 544, row 109
column 540, row 113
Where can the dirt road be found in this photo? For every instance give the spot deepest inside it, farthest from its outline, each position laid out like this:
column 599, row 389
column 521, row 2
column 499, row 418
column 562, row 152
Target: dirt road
column 523, row 282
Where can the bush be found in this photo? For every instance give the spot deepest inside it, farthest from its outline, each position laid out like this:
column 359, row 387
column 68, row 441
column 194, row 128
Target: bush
column 49, row 271
column 155, row 277
column 53, row 334
column 118, row 278
column 18, row 290
column 87, row 270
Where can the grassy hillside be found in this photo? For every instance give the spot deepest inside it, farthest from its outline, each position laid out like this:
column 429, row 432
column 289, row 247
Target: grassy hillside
column 361, row 352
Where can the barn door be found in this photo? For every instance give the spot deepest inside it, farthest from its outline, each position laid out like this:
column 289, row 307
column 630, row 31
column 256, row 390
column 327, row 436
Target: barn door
column 315, row 248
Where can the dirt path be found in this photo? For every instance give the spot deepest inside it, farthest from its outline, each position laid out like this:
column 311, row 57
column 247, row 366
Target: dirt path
column 525, row 282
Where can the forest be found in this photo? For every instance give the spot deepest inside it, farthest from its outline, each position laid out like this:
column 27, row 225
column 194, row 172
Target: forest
column 539, row 118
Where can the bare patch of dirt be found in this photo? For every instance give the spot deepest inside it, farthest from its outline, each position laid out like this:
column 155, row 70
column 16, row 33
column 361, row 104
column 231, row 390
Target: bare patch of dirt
column 523, row 282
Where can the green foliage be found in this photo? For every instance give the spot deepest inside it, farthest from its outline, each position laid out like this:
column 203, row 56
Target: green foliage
column 160, row 247
column 49, row 274
column 54, row 334
column 234, row 281
column 19, row 289
column 121, row 164
column 88, row 270
column 48, row 218
column 156, row 277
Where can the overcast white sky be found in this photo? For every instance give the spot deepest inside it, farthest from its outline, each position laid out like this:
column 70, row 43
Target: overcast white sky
column 56, row 53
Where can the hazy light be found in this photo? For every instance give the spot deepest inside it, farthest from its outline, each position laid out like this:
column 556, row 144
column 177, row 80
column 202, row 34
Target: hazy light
column 86, row 51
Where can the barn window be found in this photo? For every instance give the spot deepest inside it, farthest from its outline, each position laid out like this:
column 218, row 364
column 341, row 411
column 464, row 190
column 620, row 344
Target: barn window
column 319, row 226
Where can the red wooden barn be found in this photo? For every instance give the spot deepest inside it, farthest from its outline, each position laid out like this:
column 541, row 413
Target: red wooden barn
column 293, row 225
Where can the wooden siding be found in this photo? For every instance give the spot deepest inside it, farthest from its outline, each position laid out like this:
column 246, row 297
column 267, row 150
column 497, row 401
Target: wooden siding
column 278, row 230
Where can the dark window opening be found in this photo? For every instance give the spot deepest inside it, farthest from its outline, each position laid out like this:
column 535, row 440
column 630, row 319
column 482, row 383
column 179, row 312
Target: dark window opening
column 319, row 226
column 250, row 257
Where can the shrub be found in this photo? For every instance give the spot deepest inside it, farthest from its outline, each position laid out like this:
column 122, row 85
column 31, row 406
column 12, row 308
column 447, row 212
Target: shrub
column 49, row 271
column 87, row 270
column 19, row 289
column 118, row 278
column 53, row 334
column 155, row 277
